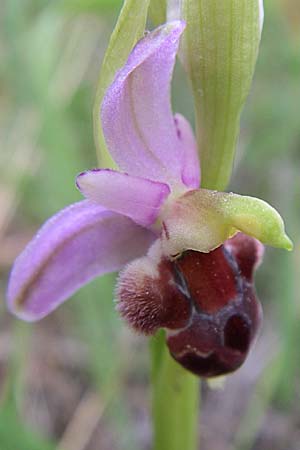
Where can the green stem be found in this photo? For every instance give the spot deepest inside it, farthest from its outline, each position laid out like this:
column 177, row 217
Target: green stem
column 175, row 401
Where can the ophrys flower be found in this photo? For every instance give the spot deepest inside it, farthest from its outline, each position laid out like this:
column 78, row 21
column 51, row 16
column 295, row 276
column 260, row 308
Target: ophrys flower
column 150, row 214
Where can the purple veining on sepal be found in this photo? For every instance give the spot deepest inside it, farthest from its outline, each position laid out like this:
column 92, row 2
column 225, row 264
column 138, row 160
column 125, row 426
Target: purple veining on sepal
column 81, row 242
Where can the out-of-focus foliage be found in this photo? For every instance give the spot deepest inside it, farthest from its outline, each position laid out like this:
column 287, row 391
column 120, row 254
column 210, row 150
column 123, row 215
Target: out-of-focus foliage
column 92, row 6
column 78, row 379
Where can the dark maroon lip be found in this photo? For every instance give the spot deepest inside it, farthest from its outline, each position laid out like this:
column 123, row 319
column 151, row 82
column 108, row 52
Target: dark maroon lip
column 209, row 280
column 210, row 366
column 226, row 314
column 206, row 301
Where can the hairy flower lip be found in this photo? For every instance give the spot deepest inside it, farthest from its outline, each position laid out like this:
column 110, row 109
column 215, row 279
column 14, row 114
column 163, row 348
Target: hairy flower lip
column 213, row 294
column 218, row 349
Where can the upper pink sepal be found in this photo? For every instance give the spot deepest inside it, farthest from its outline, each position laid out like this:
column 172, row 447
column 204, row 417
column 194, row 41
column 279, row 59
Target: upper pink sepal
column 136, row 113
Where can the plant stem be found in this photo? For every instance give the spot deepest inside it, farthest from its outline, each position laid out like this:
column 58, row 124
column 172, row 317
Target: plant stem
column 175, row 401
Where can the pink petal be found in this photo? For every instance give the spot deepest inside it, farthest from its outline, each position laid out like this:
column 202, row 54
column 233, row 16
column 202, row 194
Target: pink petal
column 79, row 243
column 137, row 119
column 135, row 197
column 191, row 164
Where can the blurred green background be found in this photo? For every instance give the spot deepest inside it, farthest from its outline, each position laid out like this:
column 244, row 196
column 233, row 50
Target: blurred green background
column 78, row 380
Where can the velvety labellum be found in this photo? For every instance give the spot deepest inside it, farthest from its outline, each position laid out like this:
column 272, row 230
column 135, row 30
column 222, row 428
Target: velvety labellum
column 205, row 301
column 225, row 314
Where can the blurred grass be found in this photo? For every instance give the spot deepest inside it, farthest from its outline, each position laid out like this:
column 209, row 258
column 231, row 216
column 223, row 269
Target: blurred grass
column 51, row 53
column 50, row 57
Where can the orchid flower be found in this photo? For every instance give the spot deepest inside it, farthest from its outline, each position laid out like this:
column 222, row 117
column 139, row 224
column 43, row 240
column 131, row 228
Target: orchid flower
column 187, row 254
